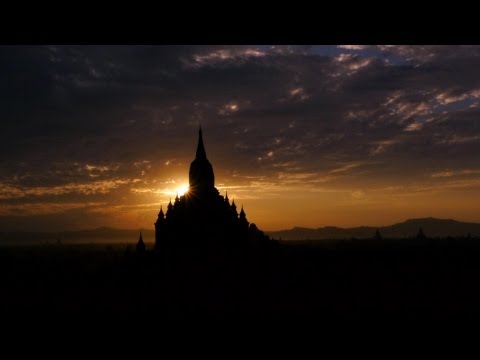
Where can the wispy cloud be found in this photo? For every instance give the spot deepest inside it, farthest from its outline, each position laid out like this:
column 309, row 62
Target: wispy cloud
column 346, row 167
column 44, row 208
column 319, row 123
column 460, row 139
column 381, row 146
column 222, row 55
column 451, row 173
column 8, row 191
column 352, row 47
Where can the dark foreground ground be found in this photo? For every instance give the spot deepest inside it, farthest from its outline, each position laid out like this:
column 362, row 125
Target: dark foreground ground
column 330, row 282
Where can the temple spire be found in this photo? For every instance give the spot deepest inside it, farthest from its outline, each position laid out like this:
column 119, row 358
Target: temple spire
column 201, row 154
column 140, row 244
column 201, row 178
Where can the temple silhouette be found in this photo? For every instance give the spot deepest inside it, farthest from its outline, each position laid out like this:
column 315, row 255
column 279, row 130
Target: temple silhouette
column 202, row 219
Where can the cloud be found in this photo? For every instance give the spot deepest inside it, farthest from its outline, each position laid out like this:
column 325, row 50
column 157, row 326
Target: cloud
column 224, row 55
column 44, row 208
column 8, row 191
column 346, row 168
column 79, row 120
column 458, row 139
column 352, row 47
column 450, row 173
column 358, row 194
column 415, row 126
column 382, row 146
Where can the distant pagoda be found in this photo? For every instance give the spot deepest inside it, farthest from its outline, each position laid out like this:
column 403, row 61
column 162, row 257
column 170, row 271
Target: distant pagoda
column 202, row 219
column 140, row 248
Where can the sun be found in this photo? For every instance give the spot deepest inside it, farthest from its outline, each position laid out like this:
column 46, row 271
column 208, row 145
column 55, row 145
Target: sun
column 182, row 189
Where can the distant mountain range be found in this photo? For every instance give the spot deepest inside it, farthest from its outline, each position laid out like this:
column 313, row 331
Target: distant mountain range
column 431, row 227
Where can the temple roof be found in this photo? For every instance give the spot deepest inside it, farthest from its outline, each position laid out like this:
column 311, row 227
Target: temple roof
column 201, row 175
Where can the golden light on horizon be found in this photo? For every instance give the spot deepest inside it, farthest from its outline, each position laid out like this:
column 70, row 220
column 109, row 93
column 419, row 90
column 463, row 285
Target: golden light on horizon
column 293, row 154
column 182, row 189
column 167, row 194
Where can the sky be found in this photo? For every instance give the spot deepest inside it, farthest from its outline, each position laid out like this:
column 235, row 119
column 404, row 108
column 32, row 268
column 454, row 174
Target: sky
column 308, row 136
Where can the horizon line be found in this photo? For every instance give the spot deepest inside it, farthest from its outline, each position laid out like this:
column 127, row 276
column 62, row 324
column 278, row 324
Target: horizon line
column 282, row 229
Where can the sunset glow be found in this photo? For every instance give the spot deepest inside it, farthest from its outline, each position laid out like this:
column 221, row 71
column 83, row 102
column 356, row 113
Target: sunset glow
column 306, row 136
column 182, row 190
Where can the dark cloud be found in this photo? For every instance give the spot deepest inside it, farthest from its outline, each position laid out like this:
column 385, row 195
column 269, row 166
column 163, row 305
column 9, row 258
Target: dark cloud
column 83, row 115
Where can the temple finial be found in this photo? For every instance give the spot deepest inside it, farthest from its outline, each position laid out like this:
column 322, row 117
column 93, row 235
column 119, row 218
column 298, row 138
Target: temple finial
column 200, row 147
column 140, row 245
column 242, row 212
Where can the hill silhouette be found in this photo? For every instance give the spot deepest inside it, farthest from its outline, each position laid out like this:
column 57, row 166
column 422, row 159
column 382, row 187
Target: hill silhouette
column 431, row 226
column 319, row 281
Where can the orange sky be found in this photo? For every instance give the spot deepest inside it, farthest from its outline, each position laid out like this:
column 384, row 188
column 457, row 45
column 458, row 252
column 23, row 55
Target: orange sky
column 310, row 136
column 283, row 203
